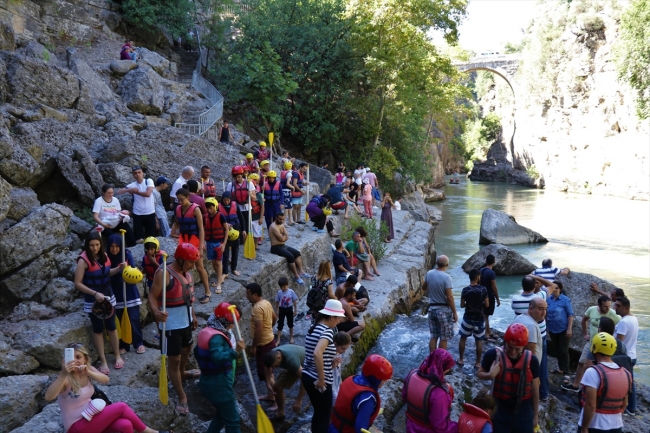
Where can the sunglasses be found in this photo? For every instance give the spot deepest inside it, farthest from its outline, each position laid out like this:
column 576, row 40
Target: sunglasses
column 74, row 346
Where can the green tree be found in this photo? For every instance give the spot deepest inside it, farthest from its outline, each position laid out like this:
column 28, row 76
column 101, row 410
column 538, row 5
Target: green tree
column 633, row 53
column 175, row 15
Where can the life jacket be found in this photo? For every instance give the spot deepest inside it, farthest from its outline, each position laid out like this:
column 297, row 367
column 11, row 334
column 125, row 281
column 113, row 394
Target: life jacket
column 252, row 166
column 96, row 276
column 257, row 207
column 272, row 193
column 510, row 383
column 202, row 353
column 214, row 231
column 418, row 390
column 343, row 416
column 300, row 181
column 615, row 385
column 239, row 193
column 263, row 154
column 231, row 215
column 473, row 419
column 187, row 223
column 151, row 267
column 209, row 188
column 180, row 290
column 283, row 178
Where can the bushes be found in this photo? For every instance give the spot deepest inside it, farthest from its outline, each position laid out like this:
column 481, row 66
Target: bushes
column 376, row 234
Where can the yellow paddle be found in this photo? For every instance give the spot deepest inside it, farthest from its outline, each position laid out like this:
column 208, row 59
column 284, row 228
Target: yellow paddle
column 162, row 377
column 125, row 322
column 249, row 244
column 263, row 422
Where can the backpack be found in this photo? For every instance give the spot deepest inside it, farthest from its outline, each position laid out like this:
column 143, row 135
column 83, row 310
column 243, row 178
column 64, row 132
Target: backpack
column 315, row 300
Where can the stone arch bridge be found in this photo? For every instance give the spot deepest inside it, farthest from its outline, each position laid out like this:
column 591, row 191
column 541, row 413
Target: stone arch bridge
column 503, row 65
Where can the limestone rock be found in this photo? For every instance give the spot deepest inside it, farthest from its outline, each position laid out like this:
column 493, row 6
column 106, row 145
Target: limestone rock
column 15, row 362
column 32, row 81
column 122, row 67
column 18, row 399
column 115, row 173
column 38, row 232
column 23, row 200
column 46, row 339
column 30, row 279
column 144, row 402
column 508, row 261
column 99, row 90
column 141, row 91
column 157, row 62
column 48, row 421
column 5, row 198
column 23, row 169
column 61, row 295
column 79, row 226
column 31, row 311
column 77, row 171
column 37, row 51
column 499, row 227
column 414, row 203
column 7, row 37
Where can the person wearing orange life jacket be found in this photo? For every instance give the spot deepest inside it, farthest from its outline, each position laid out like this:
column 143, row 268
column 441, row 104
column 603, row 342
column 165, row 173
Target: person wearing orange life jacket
column 476, row 416
column 258, row 210
column 179, row 316
column 251, row 164
column 299, row 183
column 188, row 228
column 358, row 403
column 265, row 167
column 241, row 190
column 208, row 187
column 262, row 153
column 605, row 389
column 216, row 353
column 272, row 198
column 236, row 220
column 216, row 228
column 151, row 261
column 428, row 396
column 515, row 375
column 286, row 176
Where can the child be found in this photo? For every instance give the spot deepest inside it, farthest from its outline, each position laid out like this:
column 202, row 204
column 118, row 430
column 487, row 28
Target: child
column 132, row 300
column 476, row 416
column 151, row 261
column 342, row 341
column 216, row 227
column 283, row 301
column 367, row 198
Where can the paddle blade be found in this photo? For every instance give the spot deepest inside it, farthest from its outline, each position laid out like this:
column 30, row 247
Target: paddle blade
column 271, row 137
column 306, row 216
column 162, row 381
column 125, row 325
column 118, row 328
column 263, row 422
column 249, row 247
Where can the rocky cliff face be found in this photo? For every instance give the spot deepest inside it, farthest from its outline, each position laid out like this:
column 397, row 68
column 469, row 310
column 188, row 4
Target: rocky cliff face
column 575, row 124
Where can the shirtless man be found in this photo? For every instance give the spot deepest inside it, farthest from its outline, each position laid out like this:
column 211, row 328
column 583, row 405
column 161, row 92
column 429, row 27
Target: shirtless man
column 279, row 235
column 350, row 325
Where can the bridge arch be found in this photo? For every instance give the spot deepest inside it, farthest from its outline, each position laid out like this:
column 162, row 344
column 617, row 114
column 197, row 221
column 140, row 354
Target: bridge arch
column 498, row 71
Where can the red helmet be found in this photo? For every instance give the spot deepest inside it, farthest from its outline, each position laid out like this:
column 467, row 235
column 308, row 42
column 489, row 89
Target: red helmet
column 222, row 311
column 238, row 169
column 516, row 334
column 246, row 169
column 186, row 251
column 377, row 366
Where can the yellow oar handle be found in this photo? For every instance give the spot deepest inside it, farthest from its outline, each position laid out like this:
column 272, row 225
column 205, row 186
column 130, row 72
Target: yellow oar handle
column 363, row 430
column 122, row 231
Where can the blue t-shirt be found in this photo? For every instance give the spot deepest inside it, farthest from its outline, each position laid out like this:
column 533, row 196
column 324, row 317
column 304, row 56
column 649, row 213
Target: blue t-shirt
column 336, row 193
column 487, row 276
column 285, row 299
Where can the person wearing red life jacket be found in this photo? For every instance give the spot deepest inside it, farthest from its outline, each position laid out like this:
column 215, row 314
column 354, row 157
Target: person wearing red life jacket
column 358, row 403
column 515, row 387
column 251, row 164
column 258, row 209
column 179, row 315
column 235, row 220
column 476, row 416
column 300, row 186
column 262, row 154
column 216, row 353
column 272, row 198
column 188, row 228
column 428, row 396
column 151, row 261
column 216, row 229
column 605, row 389
column 241, row 191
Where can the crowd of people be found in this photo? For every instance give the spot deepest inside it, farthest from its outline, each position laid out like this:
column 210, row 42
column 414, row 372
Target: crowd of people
column 257, row 196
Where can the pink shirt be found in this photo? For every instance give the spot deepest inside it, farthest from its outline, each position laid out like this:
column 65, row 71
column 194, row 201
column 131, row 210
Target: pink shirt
column 72, row 405
column 372, row 179
column 367, row 192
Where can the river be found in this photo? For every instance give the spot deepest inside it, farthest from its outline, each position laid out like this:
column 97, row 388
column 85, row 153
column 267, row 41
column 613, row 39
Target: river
column 605, row 236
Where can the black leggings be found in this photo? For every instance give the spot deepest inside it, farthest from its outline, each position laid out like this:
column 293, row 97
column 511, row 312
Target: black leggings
column 144, row 225
column 288, row 313
column 321, row 221
column 291, row 254
column 128, row 236
column 321, row 402
column 234, row 245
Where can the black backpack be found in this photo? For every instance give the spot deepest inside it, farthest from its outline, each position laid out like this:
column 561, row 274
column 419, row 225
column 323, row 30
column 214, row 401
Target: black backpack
column 315, row 300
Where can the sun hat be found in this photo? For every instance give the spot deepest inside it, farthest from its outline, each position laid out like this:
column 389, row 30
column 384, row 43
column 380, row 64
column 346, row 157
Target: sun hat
column 333, row 308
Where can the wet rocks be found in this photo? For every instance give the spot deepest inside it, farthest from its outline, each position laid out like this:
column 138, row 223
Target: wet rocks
column 23, row 389
column 141, row 91
column 499, row 227
column 508, row 261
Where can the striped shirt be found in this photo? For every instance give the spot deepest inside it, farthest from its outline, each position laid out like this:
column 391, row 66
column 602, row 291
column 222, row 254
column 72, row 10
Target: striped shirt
column 547, row 273
column 311, row 341
column 520, row 306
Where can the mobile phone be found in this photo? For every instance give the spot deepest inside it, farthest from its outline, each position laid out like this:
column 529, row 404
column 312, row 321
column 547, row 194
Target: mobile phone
column 69, row 354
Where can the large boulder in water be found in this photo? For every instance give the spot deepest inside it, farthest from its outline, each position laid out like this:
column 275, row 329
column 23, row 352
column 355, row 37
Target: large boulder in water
column 499, row 227
column 508, row 261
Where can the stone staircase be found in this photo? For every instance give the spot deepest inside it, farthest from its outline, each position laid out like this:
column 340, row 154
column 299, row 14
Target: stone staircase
column 187, row 64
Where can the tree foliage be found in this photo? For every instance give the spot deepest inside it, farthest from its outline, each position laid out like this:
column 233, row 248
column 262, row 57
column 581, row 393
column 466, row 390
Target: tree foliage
column 175, row 15
column 633, row 53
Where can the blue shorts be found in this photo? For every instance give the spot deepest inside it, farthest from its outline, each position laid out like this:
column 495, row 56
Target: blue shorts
column 296, row 200
column 214, row 251
column 472, row 327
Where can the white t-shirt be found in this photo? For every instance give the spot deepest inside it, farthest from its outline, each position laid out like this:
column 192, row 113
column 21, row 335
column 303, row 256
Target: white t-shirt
column 600, row 421
column 107, row 211
column 143, row 205
column 178, row 184
column 628, row 327
column 398, row 205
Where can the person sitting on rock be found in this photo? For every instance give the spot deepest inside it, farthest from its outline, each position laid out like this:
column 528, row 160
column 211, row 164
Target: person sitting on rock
column 342, row 268
column 358, row 253
column 108, row 214
column 279, row 236
column 358, row 402
column 364, row 237
column 476, row 416
column 548, row 272
column 316, row 209
column 289, row 358
column 361, row 298
column 428, row 408
column 80, row 413
column 217, row 358
column 92, row 278
column 351, row 198
column 349, row 325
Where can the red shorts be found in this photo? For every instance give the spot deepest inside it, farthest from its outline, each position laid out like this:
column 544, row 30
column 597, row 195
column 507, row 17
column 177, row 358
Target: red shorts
column 339, row 205
column 191, row 239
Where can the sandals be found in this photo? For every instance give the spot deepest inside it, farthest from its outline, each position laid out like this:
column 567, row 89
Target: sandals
column 460, row 363
column 182, row 409
column 104, row 370
column 204, row 299
column 192, row 374
column 140, row 350
column 237, row 273
column 218, row 290
column 122, row 351
column 119, row 364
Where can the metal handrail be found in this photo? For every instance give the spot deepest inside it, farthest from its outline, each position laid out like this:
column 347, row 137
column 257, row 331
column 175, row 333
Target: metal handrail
column 209, row 118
